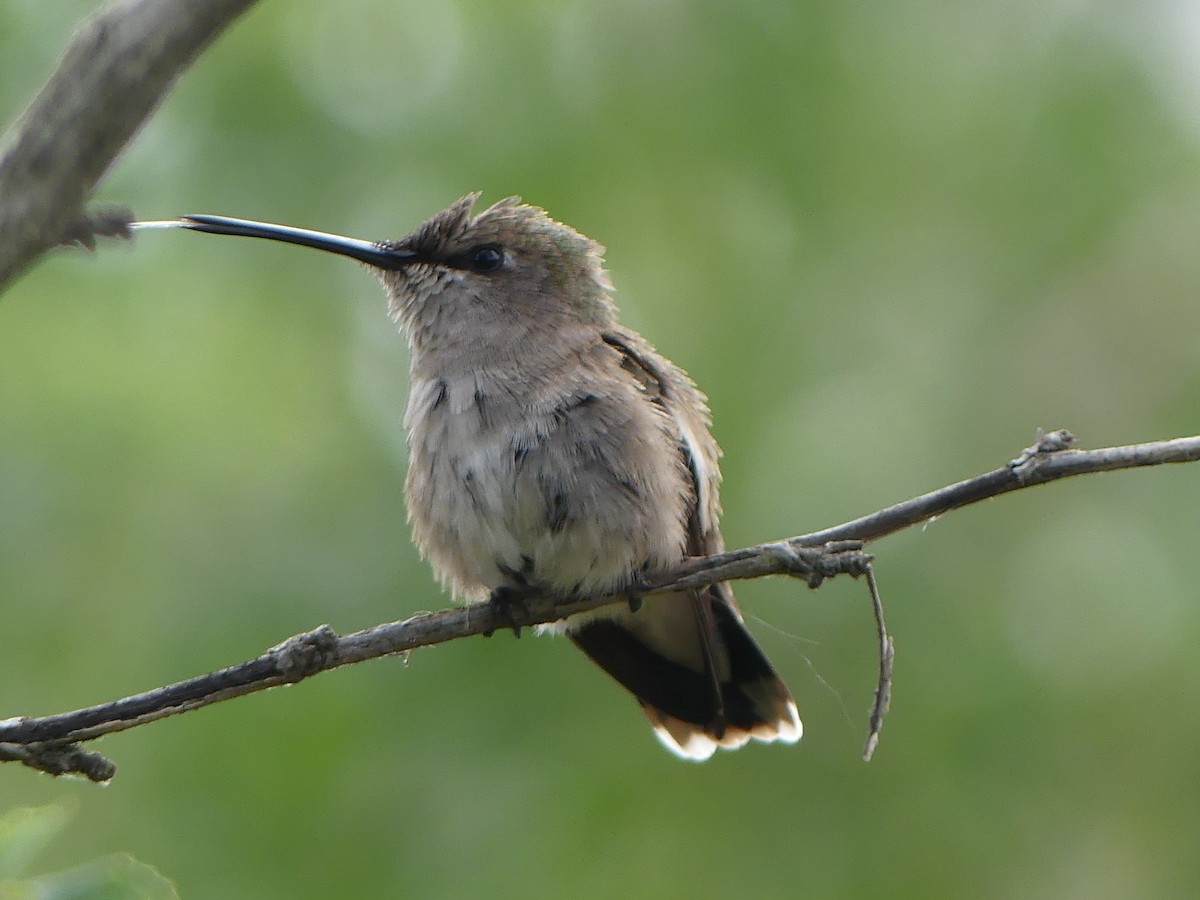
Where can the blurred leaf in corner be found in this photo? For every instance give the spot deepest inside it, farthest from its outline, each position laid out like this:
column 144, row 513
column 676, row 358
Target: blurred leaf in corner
column 28, row 831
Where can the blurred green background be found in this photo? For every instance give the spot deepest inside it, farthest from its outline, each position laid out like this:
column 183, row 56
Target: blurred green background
column 888, row 240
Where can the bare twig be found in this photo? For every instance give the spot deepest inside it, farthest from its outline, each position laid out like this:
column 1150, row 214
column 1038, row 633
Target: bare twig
column 811, row 557
column 60, row 759
column 118, row 67
column 1045, row 466
column 887, row 655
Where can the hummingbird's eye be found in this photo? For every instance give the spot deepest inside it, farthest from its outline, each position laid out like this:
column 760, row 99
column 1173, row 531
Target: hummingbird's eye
column 487, row 258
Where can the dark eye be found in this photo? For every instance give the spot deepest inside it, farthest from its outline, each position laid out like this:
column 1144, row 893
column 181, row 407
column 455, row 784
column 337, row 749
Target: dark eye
column 487, row 258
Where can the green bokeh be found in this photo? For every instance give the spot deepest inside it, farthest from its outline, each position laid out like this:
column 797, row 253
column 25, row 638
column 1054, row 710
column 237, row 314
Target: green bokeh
column 888, row 241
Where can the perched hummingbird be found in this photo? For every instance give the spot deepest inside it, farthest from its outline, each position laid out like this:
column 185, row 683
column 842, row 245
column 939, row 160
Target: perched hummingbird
column 552, row 450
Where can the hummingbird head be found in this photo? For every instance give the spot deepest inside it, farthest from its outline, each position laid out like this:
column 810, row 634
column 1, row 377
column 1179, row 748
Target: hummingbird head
column 510, row 273
column 511, row 261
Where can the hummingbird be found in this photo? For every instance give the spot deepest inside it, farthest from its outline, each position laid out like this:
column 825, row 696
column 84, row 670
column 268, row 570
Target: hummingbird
column 554, row 451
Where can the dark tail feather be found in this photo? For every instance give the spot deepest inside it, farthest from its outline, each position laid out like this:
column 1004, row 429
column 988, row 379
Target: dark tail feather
column 680, row 701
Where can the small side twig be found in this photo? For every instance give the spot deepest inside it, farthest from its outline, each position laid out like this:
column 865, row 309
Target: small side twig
column 60, row 759
column 887, row 654
column 846, row 557
column 1044, row 444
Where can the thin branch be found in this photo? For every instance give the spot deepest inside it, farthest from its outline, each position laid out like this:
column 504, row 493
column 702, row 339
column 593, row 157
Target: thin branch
column 1035, row 466
column 812, row 557
column 883, row 688
column 322, row 649
column 118, row 67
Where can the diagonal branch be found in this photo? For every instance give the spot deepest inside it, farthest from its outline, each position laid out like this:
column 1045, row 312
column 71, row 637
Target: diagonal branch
column 1049, row 459
column 49, row 742
column 118, row 67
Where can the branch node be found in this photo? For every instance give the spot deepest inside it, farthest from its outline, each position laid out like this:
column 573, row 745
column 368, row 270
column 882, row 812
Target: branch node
column 845, row 558
column 1027, row 461
column 794, row 561
column 305, row 654
column 815, row 564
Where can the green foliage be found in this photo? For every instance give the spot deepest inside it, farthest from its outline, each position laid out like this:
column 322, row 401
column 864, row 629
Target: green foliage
column 889, row 240
column 24, row 832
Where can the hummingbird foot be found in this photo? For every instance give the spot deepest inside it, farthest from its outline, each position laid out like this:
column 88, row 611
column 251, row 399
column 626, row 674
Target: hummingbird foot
column 635, row 590
column 509, row 603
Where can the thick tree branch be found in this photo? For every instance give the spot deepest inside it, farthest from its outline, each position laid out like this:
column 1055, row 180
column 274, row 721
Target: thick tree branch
column 118, row 67
column 49, row 743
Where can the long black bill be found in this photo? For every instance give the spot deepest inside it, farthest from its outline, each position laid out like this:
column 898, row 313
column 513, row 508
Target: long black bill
column 373, row 254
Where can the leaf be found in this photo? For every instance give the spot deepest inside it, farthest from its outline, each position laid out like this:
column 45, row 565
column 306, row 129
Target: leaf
column 25, row 832
column 116, row 877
